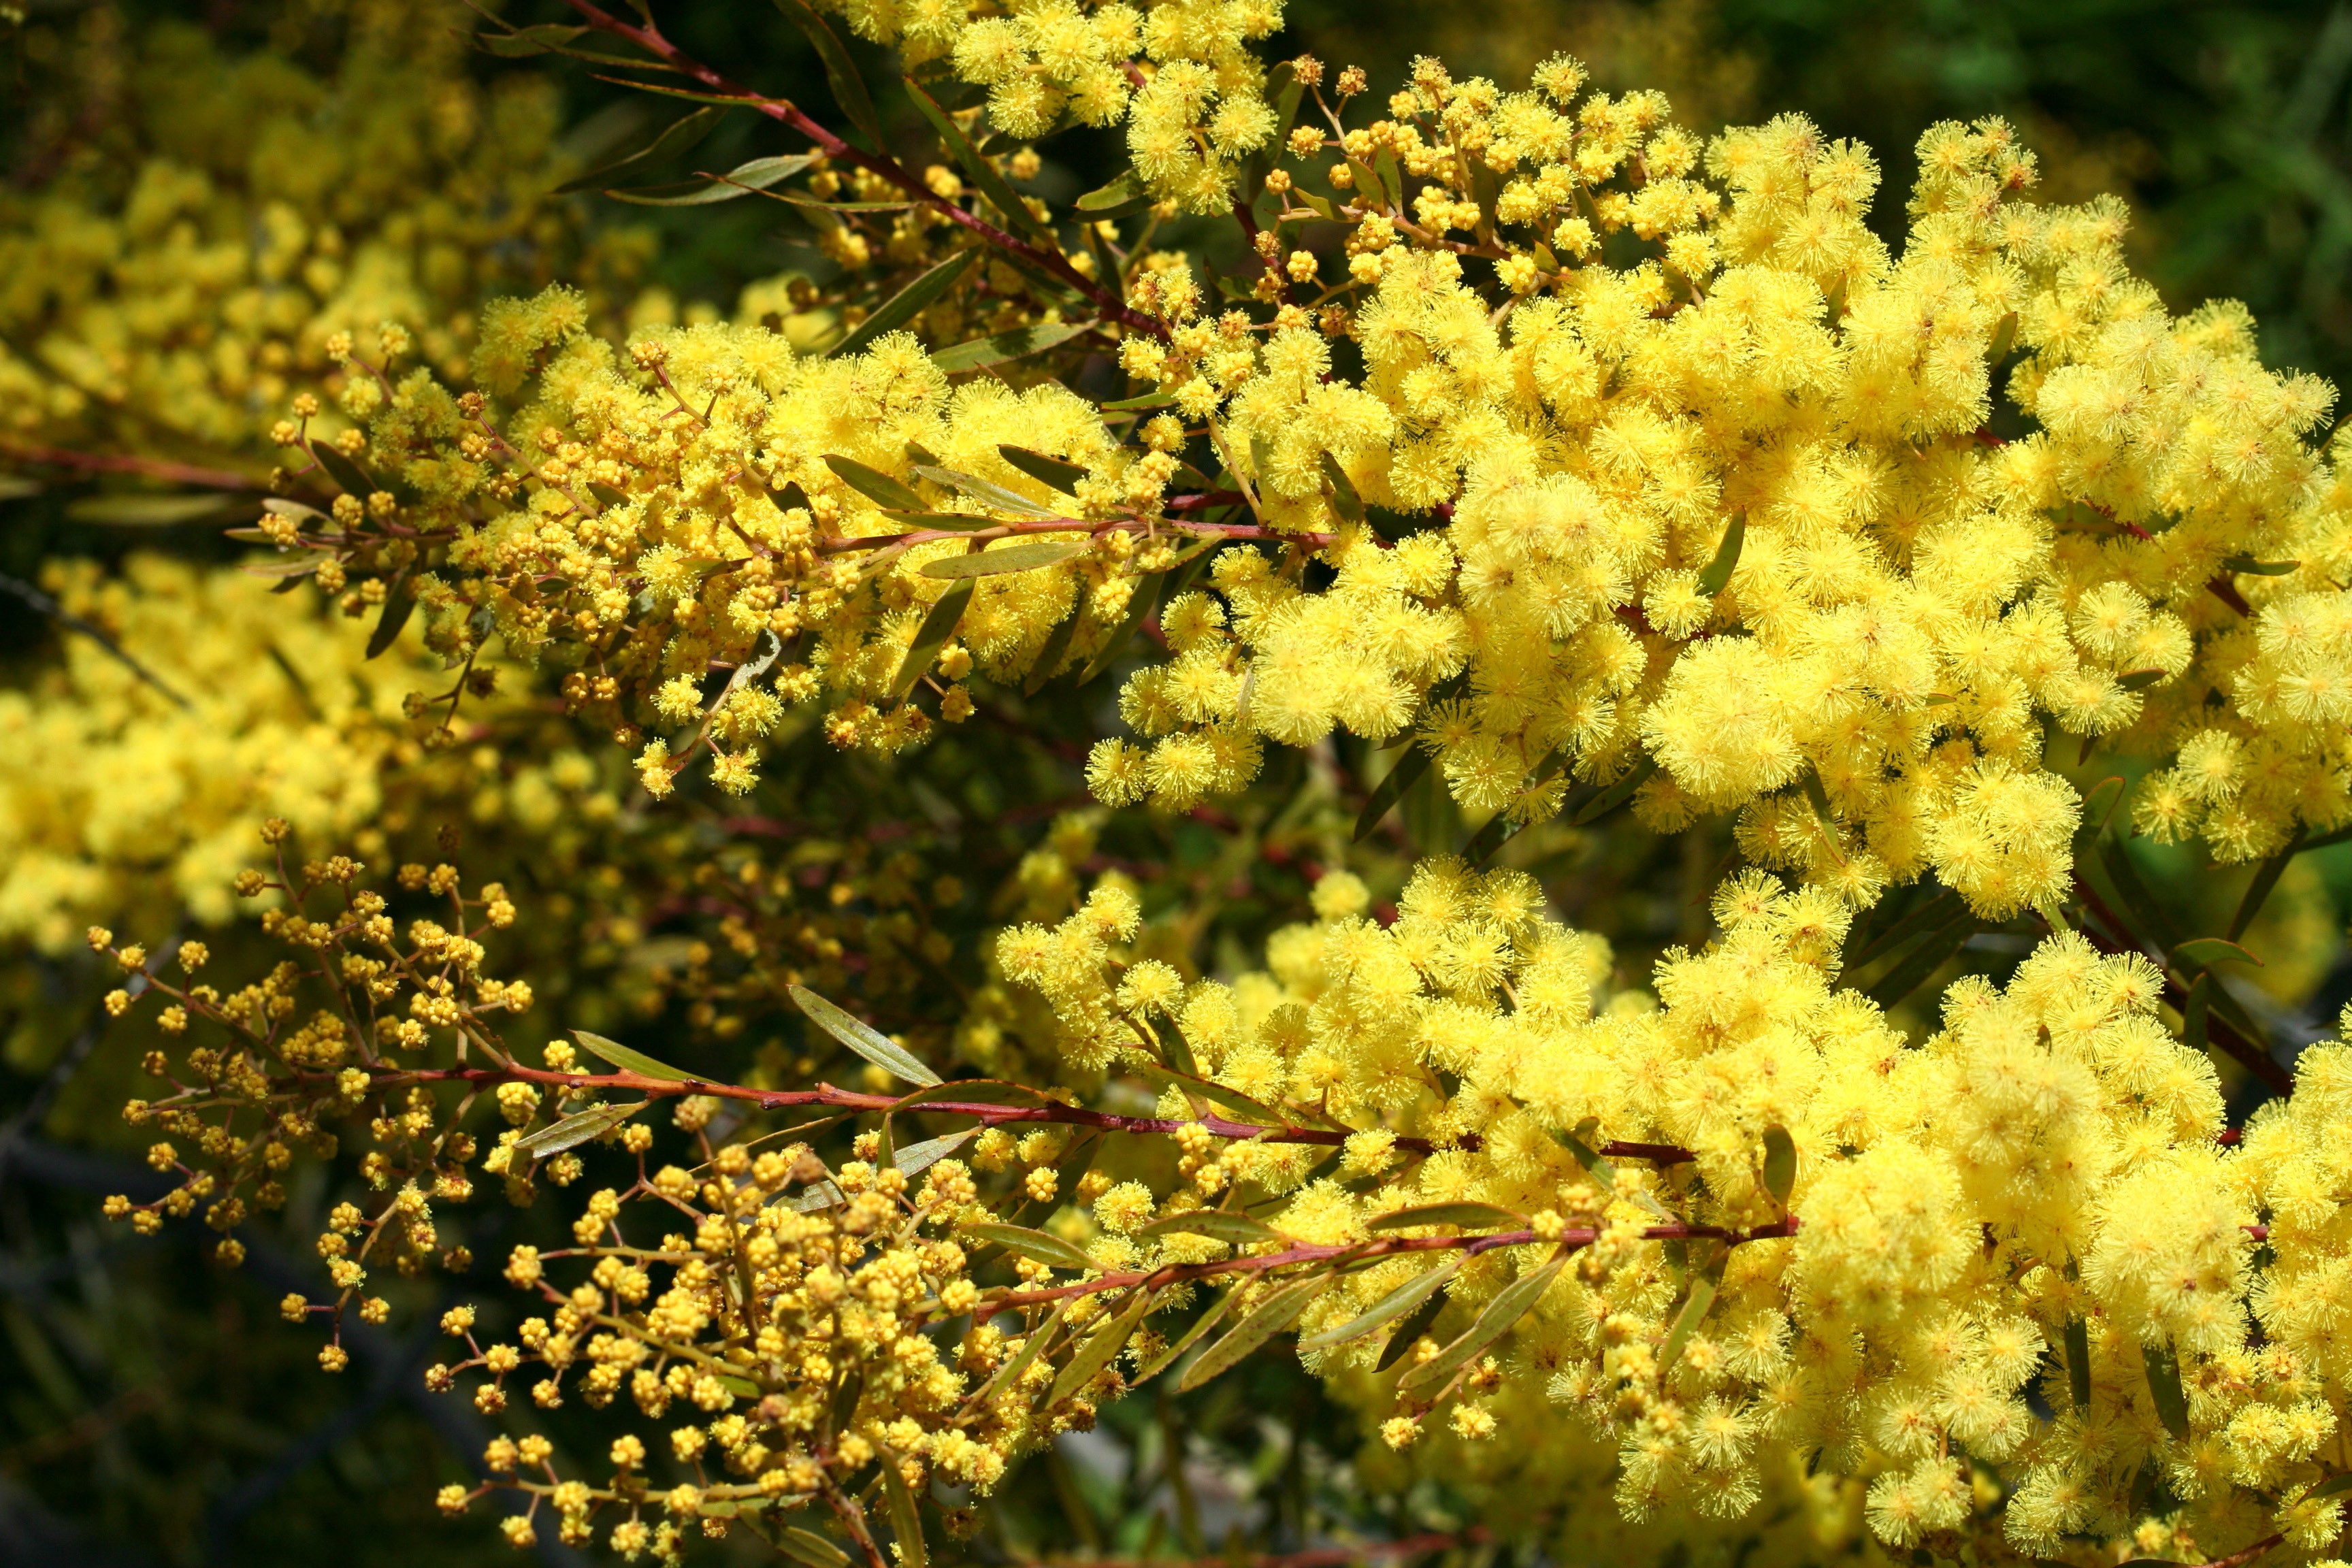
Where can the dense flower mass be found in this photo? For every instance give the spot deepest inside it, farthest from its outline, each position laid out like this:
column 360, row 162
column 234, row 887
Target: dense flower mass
column 1542, row 461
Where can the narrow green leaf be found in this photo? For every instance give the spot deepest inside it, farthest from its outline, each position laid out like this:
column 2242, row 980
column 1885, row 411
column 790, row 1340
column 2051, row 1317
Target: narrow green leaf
column 2199, row 951
column 1009, row 1375
column 2340, row 1481
column 862, row 1038
column 1100, row 1346
column 2253, row 568
column 982, row 490
column 808, row 1547
column 938, row 626
column 627, row 1060
column 2005, row 338
column 399, row 601
column 1603, row 1172
column 2164, row 1383
column 707, row 189
column 1779, row 1163
column 1389, row 790
column 1223, row 1224
column 875, row 485
column 1913, row 969
column 1273, row 1315
column 1344, row 499
column 1059, row 472
column 1394, row 1305
column 840, row 72
column 1695, row 1306
column 906, row 1520
column 2138, row 679
column 1056, row 648
column 1468, row 1216
column 146, row 511
column 2259, row 889
column 1038, row 1246
column 524, row 42
column 676, row 137
column 1927, row 916
column 1123, row 196
column 2077, row 1335
column 1510, row 1304
column 1138, row 604
column 1007, row 346
column 905, row 304
column 1232, row 1101
column 1192, row 1336
column 1030, row 556
column 1715, row 577
column 1500, row 827
column 1409, row 1330
column 593, row 1122
column 981, row 172
column 1617, row 793
column 2196, row 1023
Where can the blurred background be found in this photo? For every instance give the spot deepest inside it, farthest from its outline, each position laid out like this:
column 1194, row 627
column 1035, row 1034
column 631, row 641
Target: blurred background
column 153, row 1411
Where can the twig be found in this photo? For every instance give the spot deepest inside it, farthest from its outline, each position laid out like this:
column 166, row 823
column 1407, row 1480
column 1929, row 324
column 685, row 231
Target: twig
column 43, row 604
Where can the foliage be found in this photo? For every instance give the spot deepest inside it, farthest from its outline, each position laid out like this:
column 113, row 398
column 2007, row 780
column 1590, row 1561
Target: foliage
column 1434, row 514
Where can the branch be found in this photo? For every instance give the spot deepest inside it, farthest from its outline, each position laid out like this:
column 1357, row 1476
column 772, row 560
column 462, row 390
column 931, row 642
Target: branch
column 150, row 467
column 43, row 604
column 649, row 38
column 1227, row 530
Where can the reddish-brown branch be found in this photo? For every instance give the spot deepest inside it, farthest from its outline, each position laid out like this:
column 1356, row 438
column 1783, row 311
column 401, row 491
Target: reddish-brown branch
column 1313, row 1557
column 146, row 468
column 650, row 39
column 1230, row 530
column 1359, row 1251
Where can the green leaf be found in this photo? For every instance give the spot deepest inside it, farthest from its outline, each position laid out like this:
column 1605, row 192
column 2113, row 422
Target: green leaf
column 914, row 1159
column 2199, row 951
column 1412, row 1328
column 1010, row 1372
column 1927, row 916
column 1031, row 556
column 1500, row 828
column 1695, row 1306
column 1047, row 470
column 2340, row 1481
column 399, row 600
column 1123, row 195
column 1344, row 499
column 593, row 1122
column 2252, row 567
column 1232, row 1101
column 1005, row 347
column 1617, row 793
column 1468, row 1216
column 2077, row 1336
column 1273, row 1315
column 1779, row 1163
column 862, row 1038
column 906, row 1522
column 524, row 42
column 627, row 1060
column 982, row 490
column 840, row 73
column 2138, row 679
column 1603, row 1172
column 875, row 485
column 1138, row 604
column 1715, row 577
column 1223, row 1225
column 1038, row 1246
column 1056, row 648
column 1389, row 790
column 146, row 511
column 1100, row 1346
column 808, row 1547
column 676, row 137
column 706, row 189
column 1394, row 1305
column 938, row 626
column 2196, row 1013
column 981, row 172
column 2005, row 338
column 2164, row 1383
column 905, row 304
column 1913, row 969
column 349, row 477
column 1192, row 1336
column 2259, row 889
column 1510, row 1304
